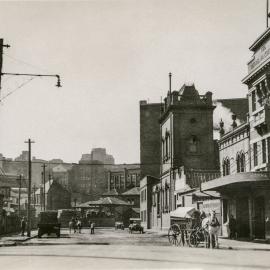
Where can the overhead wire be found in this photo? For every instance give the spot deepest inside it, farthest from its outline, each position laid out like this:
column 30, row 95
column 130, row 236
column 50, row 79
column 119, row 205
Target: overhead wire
column 17, row 88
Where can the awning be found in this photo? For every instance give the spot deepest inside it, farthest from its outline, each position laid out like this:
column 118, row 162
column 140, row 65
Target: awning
column 183, row 212
column 207, row 194
column 239, row 180
column 107, row 201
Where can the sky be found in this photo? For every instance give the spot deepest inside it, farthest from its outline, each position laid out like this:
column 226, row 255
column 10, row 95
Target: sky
column 110, row 55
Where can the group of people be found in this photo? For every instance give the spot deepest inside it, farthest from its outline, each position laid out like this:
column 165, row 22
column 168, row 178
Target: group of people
column 76, row 225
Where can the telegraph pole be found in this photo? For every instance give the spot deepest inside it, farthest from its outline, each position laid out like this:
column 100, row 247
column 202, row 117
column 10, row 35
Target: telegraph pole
column 29, row 142
column 44, row 191
column 1, row 57
column 2, row 45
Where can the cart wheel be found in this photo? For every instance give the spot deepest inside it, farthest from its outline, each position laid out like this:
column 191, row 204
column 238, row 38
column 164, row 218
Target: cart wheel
column 174, row 235
column 193, row 239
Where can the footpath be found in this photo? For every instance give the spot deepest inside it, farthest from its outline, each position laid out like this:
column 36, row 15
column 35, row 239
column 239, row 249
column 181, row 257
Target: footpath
column 225, row 243
column 13, row 239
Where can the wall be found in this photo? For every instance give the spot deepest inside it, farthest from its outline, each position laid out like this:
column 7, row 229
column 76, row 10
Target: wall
column 150, row 148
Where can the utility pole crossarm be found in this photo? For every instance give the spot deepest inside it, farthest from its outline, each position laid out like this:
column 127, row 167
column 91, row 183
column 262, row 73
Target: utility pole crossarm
column 58, row 84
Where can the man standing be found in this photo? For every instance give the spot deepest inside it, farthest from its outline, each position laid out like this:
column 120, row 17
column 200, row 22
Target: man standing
column 23, row 226
column 92, row 226
column 232, row 227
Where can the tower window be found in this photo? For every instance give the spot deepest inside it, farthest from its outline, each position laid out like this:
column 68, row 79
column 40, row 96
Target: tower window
column 193, row 144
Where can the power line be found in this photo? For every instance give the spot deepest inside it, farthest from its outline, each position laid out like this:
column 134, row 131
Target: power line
column 17, row 88
column 25, row 63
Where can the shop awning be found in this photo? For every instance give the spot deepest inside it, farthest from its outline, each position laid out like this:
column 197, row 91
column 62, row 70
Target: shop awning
column 183, row 212
column 239, row 180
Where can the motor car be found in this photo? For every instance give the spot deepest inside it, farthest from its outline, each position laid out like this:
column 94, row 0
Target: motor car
column 48, row 223
column 135, row 225
column 119, row 225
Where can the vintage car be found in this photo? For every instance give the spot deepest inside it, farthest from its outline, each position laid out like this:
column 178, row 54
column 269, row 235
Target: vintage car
column 119, row 225
column 48, row 223
column 135, row 225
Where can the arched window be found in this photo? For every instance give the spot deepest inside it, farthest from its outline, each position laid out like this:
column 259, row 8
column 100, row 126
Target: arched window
column 193, row 144
column 163, row 150
column 226, row 166
column 166, row 143
column 240, row 162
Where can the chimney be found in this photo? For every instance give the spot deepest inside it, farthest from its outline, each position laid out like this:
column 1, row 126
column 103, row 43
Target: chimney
column 221, row 130
column 234, row 124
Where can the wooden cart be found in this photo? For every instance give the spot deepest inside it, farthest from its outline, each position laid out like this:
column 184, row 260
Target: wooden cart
column 185, row 229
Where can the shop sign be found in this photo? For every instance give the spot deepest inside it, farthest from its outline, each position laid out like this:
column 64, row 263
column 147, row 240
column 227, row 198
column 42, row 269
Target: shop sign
column 260, row 55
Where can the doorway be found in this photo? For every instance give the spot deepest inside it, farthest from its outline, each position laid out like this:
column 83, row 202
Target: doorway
column 259, row 218
column 242, row 217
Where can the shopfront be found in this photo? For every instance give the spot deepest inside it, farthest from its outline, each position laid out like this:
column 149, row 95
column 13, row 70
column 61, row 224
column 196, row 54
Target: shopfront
column 246, row 196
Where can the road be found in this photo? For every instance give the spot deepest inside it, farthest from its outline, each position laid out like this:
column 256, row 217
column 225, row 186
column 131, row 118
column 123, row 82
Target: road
column 110, row 249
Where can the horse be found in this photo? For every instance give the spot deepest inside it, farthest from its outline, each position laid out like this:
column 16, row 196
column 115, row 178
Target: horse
column 211, row 226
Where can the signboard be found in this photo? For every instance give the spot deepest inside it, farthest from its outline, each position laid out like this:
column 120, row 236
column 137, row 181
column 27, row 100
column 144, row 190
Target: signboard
column 262, row 54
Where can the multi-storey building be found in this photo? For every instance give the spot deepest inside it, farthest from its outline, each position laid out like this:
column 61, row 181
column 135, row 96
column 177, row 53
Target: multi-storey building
column 123, row 177
column 88, row 178
column 186, row 125
column 245, row 153
column 150, row 149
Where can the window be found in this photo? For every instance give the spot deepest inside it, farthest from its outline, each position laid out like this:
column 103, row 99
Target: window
column 166, row 147
column 253, row 97
column 193, row 144
column 122, row 181
column 158, row 203
column 264, row 151
column 255, row 154
column 268, row 148
column 226, row 166
column 240, row 162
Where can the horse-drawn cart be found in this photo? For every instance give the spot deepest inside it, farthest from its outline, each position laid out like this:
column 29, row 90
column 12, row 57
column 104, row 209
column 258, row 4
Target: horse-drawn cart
column 185, row 227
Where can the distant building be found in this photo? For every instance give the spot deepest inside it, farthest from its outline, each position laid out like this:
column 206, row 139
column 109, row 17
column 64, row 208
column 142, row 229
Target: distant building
column 88, row 178
column 55, row 197
column 98, row 154
column 60, row 174
column 123, row 177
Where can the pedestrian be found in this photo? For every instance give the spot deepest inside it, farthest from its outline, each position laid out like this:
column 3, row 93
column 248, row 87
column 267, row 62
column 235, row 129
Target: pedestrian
column 75, row 224
column 23, row 226
column 79, row 225
column 202, row 215
column 92, row 226
column 232, row 227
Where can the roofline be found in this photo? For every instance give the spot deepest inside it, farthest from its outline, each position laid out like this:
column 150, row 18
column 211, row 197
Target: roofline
column 237, row 129
column 259, row 40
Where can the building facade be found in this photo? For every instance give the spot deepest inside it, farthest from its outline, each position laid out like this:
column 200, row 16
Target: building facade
column 187, row 140
column 244, row 154
column 150, row 144
column 123, row 177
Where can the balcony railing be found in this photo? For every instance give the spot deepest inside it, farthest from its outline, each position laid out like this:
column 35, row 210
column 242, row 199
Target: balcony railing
column 196, row 177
